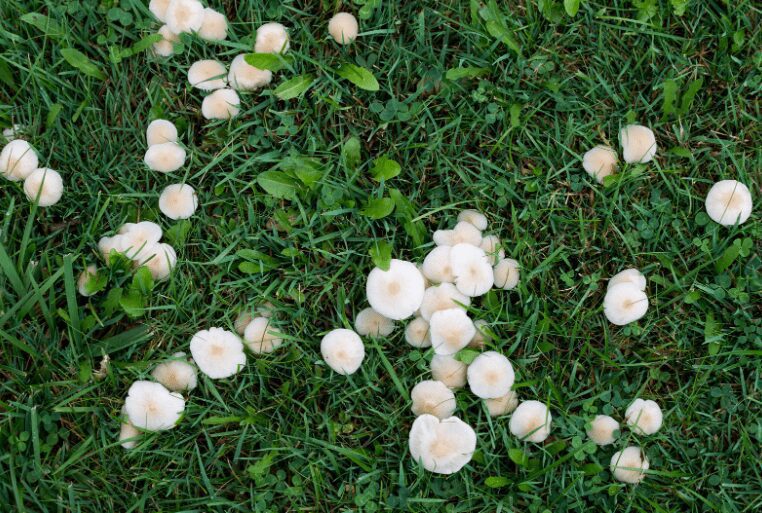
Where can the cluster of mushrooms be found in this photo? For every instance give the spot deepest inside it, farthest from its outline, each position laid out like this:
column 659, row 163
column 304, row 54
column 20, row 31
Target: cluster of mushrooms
column 19, row 161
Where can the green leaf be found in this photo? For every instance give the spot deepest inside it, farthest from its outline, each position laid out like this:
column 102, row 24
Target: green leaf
column 43, row 23
column 515, row 115
column 670, row 97
column 256, row 261
column 502, row 34
column 83, row 63
column 467, row 72
column 294, row 87
column 132, row 303
column 359, row 76
column 406, row 212
column 592, row 469
column 278, row 184
column 378, row 208
column 381, row 254
column 145, row 43
column 518, row 456
column 712, row 334
column 466, row 356
column 688, row 96
column 95, row 283
column 351, row 152
column 571, row 7
column 55, row 109
column 142, row 281
column 6, row 75
column 178, row 233
column 728, row 257
column 497, row 481
column 268, row 61
column 385, row 168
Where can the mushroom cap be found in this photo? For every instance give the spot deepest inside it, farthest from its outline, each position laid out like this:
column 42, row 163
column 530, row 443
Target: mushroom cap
column 629, row 465
column 396, row 293
column 490, row 375
column 417, row 333
column 602, row 430
column 600, row 162
column 45, row 182
column 271, row 38
column 245, row 77
column 260, row 337
column 493, row 248
column 436, row 266
column 178, row 201
column 184, row 16
column 139, row 234
column 473, row 273
column 242, row 320
column 463, row 233
column 150, row 406
column 176, row 374
column 448, row 370
column 161, row 131
column 728, row 202
column 506, row 274
column 106, row 244
column 343, row 28
column 208, row 75
column 88, row 274
column 371, row 323
column 638, row 144
column 221, row 104
column 441, row 446
column 531, row 417
column 159, row 9
column 474, row 217
column 166, row 46
column 628, row 276
column 159, row 258
column 434, row 398
column 502, row 405
column 481, row 336
column 165, row 157
column 128, row 434
column 218, row 353
column 644, row 417
column 625, row 303
column 18, row 160
column 214, row 26
column 450, row 330
column 342, row 350
column 442, row 297
column 12, row 132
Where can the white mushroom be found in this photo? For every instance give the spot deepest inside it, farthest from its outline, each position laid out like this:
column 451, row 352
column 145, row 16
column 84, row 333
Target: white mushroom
column 629, row 465
column 436, row 266
column 490, row 375
column 474, row 217
column 261, row 337
column 208, row 75
column 177, row 374
column 221, row 104
column 218, row 353
column 728, row 202
column 502, row 405
column 600, row 162
column 165, row 47
column 442, row 297
column 214, row 27
column 493, row 248
column 451, row 330
column 463, row 233
column 159, row 9
column 150, row 406
column 448, row 370
column 184, row 16
column 343, row 28
column 271, row 38
column 18, row 160
column 242, row 320
column 473, row 273
column 245, row 77
column 644, row 417
column 481, row 335
column 396, row 293
column 159, row 258
column 45, row 186
column 161, row 131
column 638, row 144
column 434, row 398
column 371, row 323
column 128, row 434
column 625, row 303
column 441, row 446
column 342, row 350
column 506, row 274
column 603, row 430
column 178, row 201
column 137, row 235
column 165, row 157
column 417, row 333
column 531, row 421
column 85, row 278
column 628, row 276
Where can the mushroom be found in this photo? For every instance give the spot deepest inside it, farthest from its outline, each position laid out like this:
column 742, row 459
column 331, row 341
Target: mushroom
column 245, row 77
column 442, row 297
column 463, row 233
column 728, row 202
column 371, row 323
column 177, row 374
column 628, row 276
column 531, row 421
column 165, row 47
column 473, row 273
column 137, row 235
column 208, row 75
column 221, row 104
column 218, row 353
column 271, row 38
column 18, row 160
column 243, row 320
column 481, row 335
column 165, row 157
column 89, row 274
column 433, row 398
column 342, row 350
column 441, row 446
column 448, row 370
column 396, row 293
column 178, row 201
column 150, row 406
column 260, row 337
column 161, row 131
column 502, row 405
column 474, row 217
column 184, row 16
column 159, row 258
column 490, row 375
column 451, row 330
column 644, row 417
column 600, row 162
column 638, row 144
column 417, row 333
column 506, row 274
column 436, row 266
column 493, row 248
column 343, row 28
column 629, row 465
column 128, row 434
column 159, row 9
column 45, row 186
column 214, row 26
column 602, row 430
column 625, row 303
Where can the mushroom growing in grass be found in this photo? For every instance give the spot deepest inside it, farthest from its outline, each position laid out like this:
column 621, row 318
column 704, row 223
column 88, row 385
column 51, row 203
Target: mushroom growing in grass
column 45, row 186
column 90, row 273
column 271, row 38
column 728, row 202
column 442, row 297
column 448, row 370
column 221, row 104
column 436, row 266
column 343, row 28
column 441, row 446
column 178, row 201
column 160, row 259
column 603, row 430
column 140, row 234
column 184, row 16
column 208, row 75
column 177, row 374
column 128, row 434
column 629, row 465
column 165, row 47
column 490, row 375
column 638, row 144
column 463, row 233
column 260, row 337
column 161, row 131
column 417, row 333
column 625, row 303
column 450, row 330
column 502, row 405
column 18, row 160
column 165, row 157
column 506, row 274
column 600, row 162
column 481, row 335
column 531, row 421
column 493, row 248
column 342, row 350
column 218, row 353
column 473, row 273
column 396, row 293
column 242, row 320
column 474, row 217
column 371, row 323
column 214, row 27
column 245, row 77
column 151, row 407
column 644, row 417
column 159, row 9
column 434, row 398
column 628, row 276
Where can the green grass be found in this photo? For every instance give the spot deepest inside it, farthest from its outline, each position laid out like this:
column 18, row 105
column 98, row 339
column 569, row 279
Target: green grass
column 287, row 434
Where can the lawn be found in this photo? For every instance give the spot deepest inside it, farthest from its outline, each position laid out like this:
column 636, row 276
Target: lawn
column 483, row 105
